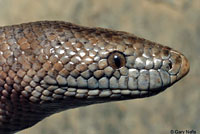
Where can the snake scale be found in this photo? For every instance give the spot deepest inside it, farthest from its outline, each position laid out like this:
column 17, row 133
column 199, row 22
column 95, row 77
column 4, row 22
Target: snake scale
column 50, row 66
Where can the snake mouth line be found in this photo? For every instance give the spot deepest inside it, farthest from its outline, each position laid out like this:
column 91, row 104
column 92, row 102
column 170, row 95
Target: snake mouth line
column 82, row 98
column 81, row 93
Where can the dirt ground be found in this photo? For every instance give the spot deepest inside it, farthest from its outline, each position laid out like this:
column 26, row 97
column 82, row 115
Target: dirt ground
column 175, row 23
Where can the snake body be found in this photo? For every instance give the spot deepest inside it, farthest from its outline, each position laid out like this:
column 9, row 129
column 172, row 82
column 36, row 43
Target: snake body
column 50, row 66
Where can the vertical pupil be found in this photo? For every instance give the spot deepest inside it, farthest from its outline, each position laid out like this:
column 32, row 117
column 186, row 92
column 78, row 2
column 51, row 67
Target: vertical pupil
column 117, row 61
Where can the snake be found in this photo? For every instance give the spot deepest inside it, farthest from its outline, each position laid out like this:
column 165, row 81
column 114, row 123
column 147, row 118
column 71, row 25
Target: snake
column 50, row 66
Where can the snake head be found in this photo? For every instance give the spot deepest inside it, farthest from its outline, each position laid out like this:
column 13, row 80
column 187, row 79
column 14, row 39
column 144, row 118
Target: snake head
column 110, row 71
column 119, row 67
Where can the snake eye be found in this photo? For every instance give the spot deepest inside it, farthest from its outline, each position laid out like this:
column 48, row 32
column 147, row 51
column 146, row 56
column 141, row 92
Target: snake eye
column 116, row 60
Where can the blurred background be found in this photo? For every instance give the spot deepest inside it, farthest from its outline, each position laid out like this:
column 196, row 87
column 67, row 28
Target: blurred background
column 174, row 23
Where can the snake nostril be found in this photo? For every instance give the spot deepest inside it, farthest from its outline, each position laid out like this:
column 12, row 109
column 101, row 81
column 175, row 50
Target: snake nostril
column 170, row 65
